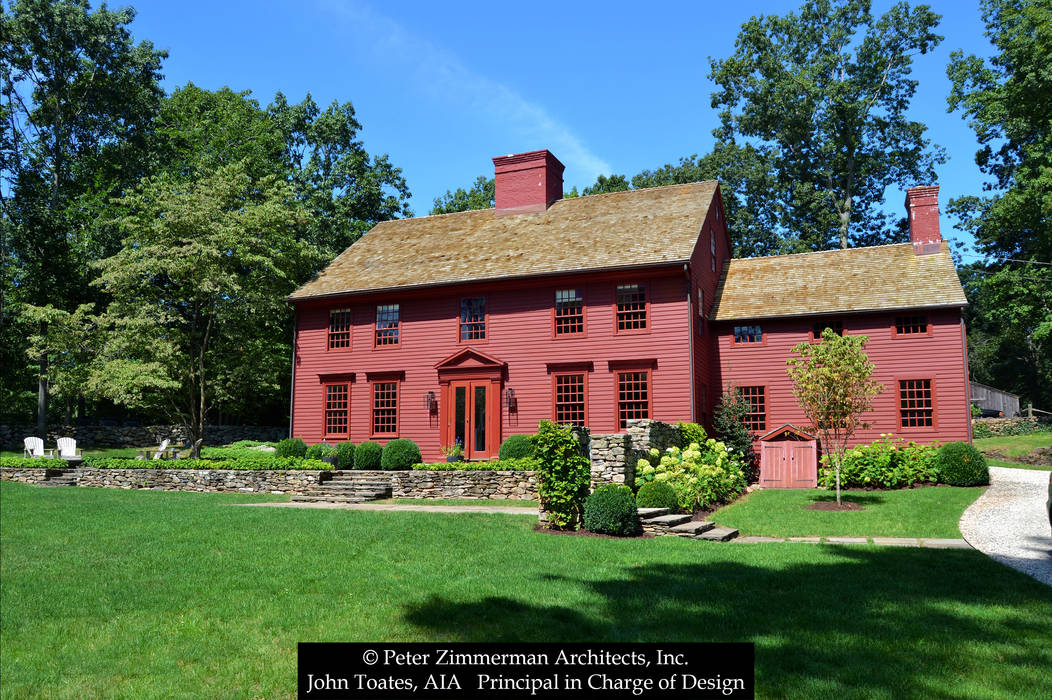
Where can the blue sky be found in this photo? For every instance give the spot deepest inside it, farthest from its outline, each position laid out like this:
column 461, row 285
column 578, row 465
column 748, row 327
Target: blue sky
column 442, row 87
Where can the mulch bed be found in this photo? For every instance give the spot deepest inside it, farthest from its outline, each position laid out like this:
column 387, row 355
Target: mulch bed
column 832, row 505
column 586, row 533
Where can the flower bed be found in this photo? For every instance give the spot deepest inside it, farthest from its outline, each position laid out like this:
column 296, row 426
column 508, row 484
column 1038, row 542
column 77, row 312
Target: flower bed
column 888, row 463
column 498, row 465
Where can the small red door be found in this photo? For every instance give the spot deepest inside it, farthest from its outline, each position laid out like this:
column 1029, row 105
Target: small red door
column 788, row 459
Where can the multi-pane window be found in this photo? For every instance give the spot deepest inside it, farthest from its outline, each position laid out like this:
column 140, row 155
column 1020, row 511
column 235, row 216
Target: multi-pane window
column 756, row 418
column 337, row 409
column 473, row 318
column 569, row 312
column 339, row 328
column 915, row 403
column 631, row 307
column 633, row 396
column 387, row 324
column 569, row 399
column 712, row 248
column 744, row 335
column 835, row 326
column 701, row 310
column 911, row 325
column 385, row 408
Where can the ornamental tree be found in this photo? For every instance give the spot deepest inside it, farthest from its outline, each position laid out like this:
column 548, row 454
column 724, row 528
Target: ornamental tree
column 833, row 382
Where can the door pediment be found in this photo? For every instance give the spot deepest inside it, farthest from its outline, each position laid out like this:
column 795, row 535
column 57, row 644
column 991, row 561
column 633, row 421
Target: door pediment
column 471, row 359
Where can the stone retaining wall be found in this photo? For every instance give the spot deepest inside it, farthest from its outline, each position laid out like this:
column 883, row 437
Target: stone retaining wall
column 1011, row 426
column 12, row 436
column 614, row 455
column 482, row 484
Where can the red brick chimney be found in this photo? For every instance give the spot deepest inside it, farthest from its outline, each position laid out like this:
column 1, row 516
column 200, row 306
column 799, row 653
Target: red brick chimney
column 922, row 207
column 527, row 183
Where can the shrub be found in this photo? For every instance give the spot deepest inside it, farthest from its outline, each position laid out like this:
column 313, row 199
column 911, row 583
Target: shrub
column 497, row 465
column 563, row 475
column 611, row 510
column 313, row 452
column 33, row 463
column 345, row 455
column 981, row 430
column 236, row 464
column 701, row 475
column 691, row 432
column 367, row 455
column 517, row 447
column 960, row 464
column 400, row 454
column 239, row 453
column 657, row 494
column 291, row 447
column 321, row 451
column 887, row 463
column 252, row 443
column 729, row 425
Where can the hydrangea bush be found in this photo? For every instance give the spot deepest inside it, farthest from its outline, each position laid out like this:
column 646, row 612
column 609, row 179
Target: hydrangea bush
column 702, row 475
column 888, row 463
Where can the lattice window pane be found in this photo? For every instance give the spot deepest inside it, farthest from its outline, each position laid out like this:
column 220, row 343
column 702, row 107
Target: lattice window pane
column 756, row 418
column 836, row 326
column 911, row 325
column 631, row 307
column 569, row 312
column 744, row 335
column 915, row 403
column 385, row 408
column 473, row 318
column 337, row 409
column 633, row 397
column 340, row 328
column 569, row 399
column 387, row 317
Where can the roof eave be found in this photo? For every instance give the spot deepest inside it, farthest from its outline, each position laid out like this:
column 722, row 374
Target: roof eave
column 816, row 314
column 292, row 299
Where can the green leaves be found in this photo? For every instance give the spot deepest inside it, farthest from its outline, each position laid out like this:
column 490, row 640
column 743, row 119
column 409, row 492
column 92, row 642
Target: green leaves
column 563, row 475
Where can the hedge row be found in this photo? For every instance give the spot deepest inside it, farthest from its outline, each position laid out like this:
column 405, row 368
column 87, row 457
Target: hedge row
column 499, row 465
column 272, row 464
column 33, row 463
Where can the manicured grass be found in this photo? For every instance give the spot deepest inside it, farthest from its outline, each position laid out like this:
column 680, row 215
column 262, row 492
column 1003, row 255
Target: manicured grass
column 1015, row 445
column 156, row 594
column 921, row 512
column 460, row 502
column 1018, row 465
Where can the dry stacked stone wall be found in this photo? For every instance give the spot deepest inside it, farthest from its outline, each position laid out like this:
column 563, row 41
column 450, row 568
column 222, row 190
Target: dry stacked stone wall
column 614, row 456
column 12, row 436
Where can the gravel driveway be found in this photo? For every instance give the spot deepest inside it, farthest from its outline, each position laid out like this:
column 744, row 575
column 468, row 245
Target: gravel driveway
column 1009, row 524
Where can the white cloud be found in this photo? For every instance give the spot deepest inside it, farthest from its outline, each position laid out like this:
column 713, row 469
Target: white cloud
column 438, row 73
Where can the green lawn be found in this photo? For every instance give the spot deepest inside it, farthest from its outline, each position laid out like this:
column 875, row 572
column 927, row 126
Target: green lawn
column 921, row 512
column 1017, row 465
column 109, row 593
column 1014, row 446
column 460, row 502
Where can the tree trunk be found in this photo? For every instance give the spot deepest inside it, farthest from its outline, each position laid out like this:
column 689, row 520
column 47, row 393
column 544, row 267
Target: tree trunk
column 838, row 482
column 42, row 390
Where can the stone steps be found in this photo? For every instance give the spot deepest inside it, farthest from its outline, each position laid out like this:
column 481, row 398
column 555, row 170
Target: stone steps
column 658, row 521
column 347, row 487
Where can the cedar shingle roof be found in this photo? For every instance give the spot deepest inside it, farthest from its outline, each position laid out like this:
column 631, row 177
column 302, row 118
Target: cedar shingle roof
column 857, row 279
column 607, row 231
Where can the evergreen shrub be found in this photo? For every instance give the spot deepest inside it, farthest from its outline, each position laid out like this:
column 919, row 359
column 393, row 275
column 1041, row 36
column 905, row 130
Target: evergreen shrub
column 611, row 510
column 657, row 494
column 400, row 454
column 960, row 464
column 291, row 447
column 367, row 455
column 517, row 447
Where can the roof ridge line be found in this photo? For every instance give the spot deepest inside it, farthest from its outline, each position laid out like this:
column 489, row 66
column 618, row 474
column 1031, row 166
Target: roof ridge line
column 822, row 252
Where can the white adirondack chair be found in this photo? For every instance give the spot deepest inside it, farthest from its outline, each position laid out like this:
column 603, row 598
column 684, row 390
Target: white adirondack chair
column 67, row 448
column 161, row 449
column 34, row 447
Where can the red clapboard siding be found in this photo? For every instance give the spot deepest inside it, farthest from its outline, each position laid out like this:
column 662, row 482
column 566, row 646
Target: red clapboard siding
column 938, row 356
column 519, row 333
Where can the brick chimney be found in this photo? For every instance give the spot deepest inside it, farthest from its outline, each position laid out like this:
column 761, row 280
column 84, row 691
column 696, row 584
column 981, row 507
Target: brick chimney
column 527, row 183
column 922, row 207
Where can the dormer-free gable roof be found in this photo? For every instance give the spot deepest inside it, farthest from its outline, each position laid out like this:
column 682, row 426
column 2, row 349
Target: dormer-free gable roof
column 636, row 228
column 876, row 278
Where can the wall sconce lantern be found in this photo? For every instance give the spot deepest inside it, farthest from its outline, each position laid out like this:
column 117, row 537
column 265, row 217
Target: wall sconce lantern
column 510, row 401
column 430, row 402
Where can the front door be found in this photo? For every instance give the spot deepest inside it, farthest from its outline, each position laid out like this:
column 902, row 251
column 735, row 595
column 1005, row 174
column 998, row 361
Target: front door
column 471, row 422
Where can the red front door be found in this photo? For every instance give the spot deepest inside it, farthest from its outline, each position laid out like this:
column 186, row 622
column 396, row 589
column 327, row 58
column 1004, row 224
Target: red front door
column 470, row 418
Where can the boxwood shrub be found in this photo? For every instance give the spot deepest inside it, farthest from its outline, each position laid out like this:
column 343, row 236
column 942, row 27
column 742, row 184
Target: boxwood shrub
column 400, row 454
column 960, row 464
column 345, row 455
column 516, row 447
column 291, row 447
column 657, row 494
column 611, row 510
column 497, row 465
column 367, row 455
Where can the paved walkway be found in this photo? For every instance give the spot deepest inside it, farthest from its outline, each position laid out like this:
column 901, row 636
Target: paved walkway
column 929, row 542
column 515, row 510
column 1009, row 523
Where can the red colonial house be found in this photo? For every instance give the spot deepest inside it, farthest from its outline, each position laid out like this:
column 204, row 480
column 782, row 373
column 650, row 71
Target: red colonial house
column 596, row 310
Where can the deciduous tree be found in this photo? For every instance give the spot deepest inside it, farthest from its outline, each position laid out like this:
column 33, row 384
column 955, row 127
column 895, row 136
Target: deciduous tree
column 481, row 195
